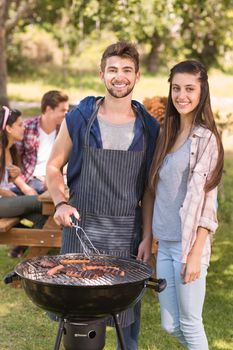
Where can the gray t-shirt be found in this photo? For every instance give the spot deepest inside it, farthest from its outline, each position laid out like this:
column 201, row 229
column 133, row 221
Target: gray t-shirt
column 170, row 194
column 116, row 136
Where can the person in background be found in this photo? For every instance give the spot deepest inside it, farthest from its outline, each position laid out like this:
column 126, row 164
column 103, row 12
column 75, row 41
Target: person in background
column 39, row 136
column 182, row 201
column 11, row 130
column 108, row 143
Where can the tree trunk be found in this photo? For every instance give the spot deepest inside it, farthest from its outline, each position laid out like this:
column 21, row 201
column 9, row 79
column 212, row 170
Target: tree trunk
column 152, row 59
column 7, row 25
column 3, row 64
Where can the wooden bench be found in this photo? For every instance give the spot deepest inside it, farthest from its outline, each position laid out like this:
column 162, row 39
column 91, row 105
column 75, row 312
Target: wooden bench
column 39, row 241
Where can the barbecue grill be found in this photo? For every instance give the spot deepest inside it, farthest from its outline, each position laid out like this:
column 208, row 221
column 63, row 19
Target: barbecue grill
column 74, row 299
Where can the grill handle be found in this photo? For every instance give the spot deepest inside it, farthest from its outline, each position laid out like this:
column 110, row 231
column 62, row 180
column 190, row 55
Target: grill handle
column 157, row 284
column 11, row 277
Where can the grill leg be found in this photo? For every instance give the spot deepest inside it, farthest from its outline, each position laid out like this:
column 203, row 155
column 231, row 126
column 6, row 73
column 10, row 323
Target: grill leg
column 59, row 335
column 119, row 332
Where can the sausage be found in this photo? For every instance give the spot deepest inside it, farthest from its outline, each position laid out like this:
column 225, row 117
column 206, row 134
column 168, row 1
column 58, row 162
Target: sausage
column 74, row 261
column 55, row 270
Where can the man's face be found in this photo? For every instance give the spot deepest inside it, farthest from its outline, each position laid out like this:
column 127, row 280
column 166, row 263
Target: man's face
column 59, row 112
column 119, row 76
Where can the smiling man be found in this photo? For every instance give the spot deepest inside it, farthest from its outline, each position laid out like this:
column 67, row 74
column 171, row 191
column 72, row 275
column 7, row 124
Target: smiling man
column 108, row 143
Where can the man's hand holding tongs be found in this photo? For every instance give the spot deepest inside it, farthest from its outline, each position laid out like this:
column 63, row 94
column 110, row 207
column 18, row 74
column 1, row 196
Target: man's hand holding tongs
column 64, row 213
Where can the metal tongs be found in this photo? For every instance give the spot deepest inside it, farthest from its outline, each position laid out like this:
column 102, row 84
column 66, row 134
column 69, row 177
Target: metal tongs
column 88, row 245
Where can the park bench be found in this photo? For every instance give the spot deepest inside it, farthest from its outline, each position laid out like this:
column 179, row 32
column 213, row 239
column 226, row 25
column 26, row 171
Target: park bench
column 39, row 241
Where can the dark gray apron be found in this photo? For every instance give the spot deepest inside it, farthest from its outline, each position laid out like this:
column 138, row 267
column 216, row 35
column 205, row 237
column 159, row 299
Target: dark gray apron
column 107, row 195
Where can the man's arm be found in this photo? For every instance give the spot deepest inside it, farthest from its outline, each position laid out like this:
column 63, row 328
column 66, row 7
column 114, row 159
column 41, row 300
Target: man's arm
column 54, row 177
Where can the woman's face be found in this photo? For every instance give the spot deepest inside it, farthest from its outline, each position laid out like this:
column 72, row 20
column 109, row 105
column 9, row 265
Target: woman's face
column 16, row 130
column 186, row 92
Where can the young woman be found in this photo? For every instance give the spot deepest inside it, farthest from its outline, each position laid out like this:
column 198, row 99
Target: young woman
column 185, row 172
column 11, row 130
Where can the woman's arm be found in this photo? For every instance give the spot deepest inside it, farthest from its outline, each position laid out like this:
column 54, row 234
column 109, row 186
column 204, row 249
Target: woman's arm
column 207, row 223
column 144, row 249
column 192, row 269
column 13, row 171
column 25, row 188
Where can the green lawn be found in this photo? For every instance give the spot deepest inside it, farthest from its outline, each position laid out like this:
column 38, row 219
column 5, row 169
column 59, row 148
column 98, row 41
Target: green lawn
column 79, row 84
column 25, row 327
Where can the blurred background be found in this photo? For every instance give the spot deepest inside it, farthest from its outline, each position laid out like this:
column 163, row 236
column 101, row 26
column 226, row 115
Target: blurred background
column 58, row 44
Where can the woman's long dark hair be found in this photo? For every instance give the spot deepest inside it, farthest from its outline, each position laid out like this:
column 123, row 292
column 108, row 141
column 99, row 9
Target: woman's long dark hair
column 13, row 116
column 203, row 116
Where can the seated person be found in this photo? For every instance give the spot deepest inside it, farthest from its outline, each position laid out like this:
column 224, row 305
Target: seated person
column 11, row 130
column 39, row 136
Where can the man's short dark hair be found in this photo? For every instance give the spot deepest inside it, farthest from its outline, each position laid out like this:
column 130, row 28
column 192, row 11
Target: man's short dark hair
column 122, row 49
column 52, row 99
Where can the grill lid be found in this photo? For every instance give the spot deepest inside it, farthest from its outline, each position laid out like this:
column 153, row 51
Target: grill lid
column 134, row 271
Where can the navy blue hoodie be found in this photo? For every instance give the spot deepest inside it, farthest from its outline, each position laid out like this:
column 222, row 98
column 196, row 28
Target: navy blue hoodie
column 77, row 120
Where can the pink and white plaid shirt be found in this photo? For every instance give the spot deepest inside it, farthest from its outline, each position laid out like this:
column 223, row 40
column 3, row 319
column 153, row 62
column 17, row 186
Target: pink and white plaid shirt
column 200, row 208
column 28, row 147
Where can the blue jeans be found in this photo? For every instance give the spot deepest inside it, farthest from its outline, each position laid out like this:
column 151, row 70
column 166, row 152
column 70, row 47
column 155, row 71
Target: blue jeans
column 37, row 184
column 131, row 336
column 181, row 304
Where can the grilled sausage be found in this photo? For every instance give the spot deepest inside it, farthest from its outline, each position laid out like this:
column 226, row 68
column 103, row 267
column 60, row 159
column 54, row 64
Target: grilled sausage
column 55, row 270
column 73, row 261
column 47, row 263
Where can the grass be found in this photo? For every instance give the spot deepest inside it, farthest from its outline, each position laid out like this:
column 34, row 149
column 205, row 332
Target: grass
column 26, row 327
column 78, row 84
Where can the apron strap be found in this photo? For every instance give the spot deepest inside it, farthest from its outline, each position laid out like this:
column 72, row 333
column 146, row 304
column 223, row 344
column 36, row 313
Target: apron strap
column 91, row 121
column 94, row 115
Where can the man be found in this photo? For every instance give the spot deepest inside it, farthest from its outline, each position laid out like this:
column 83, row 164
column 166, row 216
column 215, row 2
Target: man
column 39, row 136
column 108, row 144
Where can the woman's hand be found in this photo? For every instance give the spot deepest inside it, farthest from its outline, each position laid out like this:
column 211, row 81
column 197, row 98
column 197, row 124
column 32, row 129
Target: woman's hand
column 7, row 193
column 144, row 249
column 192, row 269
column 29, row 191
column 14, row 171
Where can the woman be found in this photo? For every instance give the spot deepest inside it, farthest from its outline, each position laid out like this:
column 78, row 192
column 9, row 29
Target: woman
column 185, row 172
column 11, row 130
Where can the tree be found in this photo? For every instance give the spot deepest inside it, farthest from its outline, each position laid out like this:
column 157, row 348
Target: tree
column 11, row 12
column 206, row 26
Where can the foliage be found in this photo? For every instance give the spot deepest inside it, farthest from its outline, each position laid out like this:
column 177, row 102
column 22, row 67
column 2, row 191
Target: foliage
column 205, row 34
column 36, row 46
column 163, row 29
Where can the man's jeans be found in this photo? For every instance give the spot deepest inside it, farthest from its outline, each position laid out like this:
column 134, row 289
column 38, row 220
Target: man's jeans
column 131, row 336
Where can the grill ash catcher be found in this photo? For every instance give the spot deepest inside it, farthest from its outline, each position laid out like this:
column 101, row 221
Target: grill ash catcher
column 83, row 304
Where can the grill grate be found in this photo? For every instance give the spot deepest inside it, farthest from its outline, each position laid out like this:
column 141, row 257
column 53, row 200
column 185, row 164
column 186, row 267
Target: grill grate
column 134, row 270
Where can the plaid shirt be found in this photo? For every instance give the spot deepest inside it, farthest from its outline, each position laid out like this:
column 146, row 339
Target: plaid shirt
column 28, row 147
column 200, row 208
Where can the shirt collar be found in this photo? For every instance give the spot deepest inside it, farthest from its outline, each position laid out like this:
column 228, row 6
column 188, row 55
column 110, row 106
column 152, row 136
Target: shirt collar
column 201, row 131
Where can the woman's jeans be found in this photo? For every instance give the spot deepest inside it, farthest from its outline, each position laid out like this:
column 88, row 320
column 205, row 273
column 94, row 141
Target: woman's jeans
column 19, row 205
column 181, row 304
